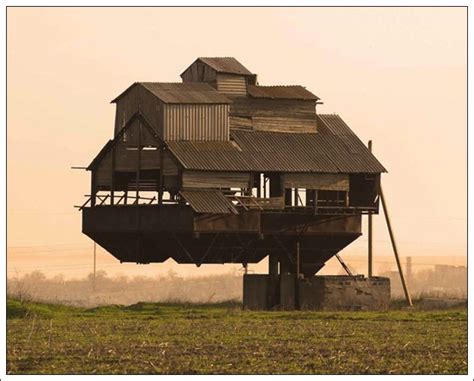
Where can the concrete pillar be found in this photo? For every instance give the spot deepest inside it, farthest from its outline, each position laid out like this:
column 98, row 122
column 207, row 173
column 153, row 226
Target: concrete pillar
column 273, row 294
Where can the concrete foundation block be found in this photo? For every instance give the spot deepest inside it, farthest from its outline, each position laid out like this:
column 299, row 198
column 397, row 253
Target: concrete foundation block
column 344, row 293
column 321, row 293
column 255, row 296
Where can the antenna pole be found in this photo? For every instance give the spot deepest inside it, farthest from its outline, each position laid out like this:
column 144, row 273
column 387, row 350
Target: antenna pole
column 370, row 234
column 395, row 251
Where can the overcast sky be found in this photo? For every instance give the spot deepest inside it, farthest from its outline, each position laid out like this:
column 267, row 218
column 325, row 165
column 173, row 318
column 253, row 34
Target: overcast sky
column 395, row 75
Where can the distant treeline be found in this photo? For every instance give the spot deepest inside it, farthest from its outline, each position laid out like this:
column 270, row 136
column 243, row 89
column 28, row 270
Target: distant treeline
column 440, row 282
column 125, row 290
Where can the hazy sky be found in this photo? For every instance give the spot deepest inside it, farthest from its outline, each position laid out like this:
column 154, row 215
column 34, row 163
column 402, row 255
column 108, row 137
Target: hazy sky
column 395, row 75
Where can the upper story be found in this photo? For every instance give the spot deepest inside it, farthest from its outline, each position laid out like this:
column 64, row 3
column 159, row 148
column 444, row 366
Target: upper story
column 219, row 134
column 217, row 94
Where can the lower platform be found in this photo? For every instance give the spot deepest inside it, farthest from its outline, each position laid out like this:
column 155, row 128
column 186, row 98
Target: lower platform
column 320, row 293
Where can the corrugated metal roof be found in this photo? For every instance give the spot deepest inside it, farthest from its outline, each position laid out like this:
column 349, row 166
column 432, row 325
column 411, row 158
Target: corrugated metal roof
column 281, row 92
column 208, row 202
column 189, row 92
column 333, row 149
column 226, row 65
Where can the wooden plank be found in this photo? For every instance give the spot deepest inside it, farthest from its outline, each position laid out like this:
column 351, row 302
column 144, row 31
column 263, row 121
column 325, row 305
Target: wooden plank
column 232, row 84
column 284, row 124
column 203, row 179
column 320, row 181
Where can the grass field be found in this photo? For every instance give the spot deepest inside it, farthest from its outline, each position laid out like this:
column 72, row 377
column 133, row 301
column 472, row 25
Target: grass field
column 148, row 338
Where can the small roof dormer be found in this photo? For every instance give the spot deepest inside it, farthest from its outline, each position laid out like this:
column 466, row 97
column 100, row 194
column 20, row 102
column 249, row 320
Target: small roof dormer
column 226, row 74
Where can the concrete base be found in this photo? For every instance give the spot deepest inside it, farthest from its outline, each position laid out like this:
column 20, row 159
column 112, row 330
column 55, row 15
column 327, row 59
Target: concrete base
column 322, row 293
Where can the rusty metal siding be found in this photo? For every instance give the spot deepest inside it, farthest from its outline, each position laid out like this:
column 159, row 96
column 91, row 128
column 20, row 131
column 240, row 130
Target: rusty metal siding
column 321, row 152
column 196, row 122
column 344, row 148
column 190, row 92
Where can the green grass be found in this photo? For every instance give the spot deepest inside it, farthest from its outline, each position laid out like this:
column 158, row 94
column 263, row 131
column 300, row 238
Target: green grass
column 148, row 338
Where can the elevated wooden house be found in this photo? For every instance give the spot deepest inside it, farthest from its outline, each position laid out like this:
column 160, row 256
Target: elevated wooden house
column 218, row 169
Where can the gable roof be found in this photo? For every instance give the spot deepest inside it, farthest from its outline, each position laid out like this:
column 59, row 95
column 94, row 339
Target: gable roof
column 227, row 65
column 333, row 149
column 106, row 148
column 182, row 93
column 281, row 92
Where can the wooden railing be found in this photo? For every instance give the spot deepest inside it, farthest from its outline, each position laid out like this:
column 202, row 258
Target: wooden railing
column 260, row 203
column 118, row 200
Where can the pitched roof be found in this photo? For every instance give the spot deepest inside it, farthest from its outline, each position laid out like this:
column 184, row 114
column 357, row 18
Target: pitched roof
column 227, row 65
column 177, row 92
column 281, row 92
column 333, row 149
column 209, row 202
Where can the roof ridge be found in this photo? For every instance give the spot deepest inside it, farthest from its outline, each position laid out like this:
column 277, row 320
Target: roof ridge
column 278, row 86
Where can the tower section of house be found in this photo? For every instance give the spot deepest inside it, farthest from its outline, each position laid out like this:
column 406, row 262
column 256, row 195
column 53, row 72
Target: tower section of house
column 219, row 169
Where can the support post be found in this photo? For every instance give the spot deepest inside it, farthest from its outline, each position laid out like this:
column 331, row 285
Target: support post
column 112, row 185
column 272, row 281
column 370, row 236
column 93, row 188
column 139, row 149
column 297, row 277
column 95, row 267
column 160, row 180
column 395, row 250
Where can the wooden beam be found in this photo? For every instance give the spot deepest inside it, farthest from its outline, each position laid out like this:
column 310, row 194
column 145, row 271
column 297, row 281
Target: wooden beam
column 161, row 180
column 370, row 236
column 139, row 148
column 395, row 250
column 112, row 177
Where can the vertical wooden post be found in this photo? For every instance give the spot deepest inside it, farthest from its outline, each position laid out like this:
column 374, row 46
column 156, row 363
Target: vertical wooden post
column 160, row 185
column 370, row 237
column 316, row 195
column 139, row 149
column 297, row 277
column 93, row 188
column 272, row 281
column 95, row 260
column 112, row 181
column 395, row 250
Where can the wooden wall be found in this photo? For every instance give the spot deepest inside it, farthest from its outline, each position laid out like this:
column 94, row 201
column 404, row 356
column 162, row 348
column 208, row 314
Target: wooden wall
column 273, row 115
column 232, row 84
column 123, row 156
column 199, row 72
column 196, row 122
column 203, row 179
column 319, row 181
column 139, row 98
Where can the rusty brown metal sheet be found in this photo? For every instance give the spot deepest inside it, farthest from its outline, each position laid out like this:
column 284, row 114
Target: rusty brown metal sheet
column 281, row 92
column 185, row 92
column 321, row 152
column 207, row 201
column 226, row 65
column 190, row 92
